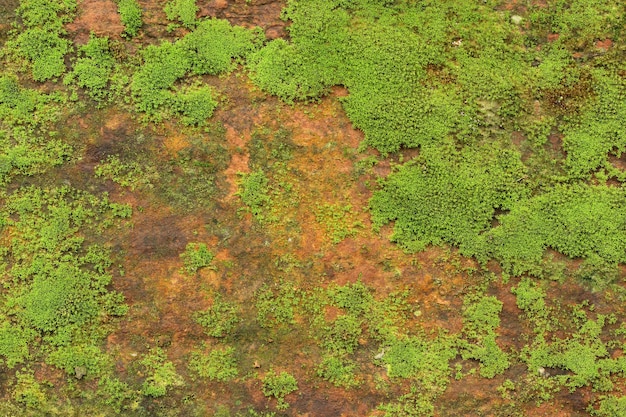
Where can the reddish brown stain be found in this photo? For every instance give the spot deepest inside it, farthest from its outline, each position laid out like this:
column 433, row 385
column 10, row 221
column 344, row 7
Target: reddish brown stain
column 98, row 16
column 604, row 45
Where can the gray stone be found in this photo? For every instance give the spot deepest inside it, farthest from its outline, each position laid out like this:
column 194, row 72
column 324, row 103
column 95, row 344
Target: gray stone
column 516, row 19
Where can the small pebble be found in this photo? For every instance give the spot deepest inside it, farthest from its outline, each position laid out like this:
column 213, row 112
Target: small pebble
column 380, row 355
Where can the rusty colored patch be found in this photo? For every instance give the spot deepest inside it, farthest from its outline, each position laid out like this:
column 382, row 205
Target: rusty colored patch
column 218, row 4
column 469, row 396
column 618, row 162
column 570, row 404
column 551, row 410
column 510, row 325
column 116, row 122
column 335, row 402
column 175, row 143
column 159, row 236
column 517, row 138
column 604, row 45
column 238, row 164
column 514, row 6
column 556, row 141
column 553, row 37
column 98, row 16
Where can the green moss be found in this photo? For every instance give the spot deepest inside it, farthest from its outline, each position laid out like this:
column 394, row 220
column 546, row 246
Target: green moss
column 65, row 278
column 117, row 395
column 60, row 298
column 219, row 364
column 130, row 14
column 24, row 113
column 253, row 413
column 338, row 371
column 342, row 336
column 182, row 10
column 196, row 256
column 386, row 318
column 412, row 404
column 355, row 299
column 610, row 406
column 80, row 361
column 212, row 48
column 580, row 349
column 383, row 52
column 420, row 358
column 220, row 319
column 195, row 104
column 481, row 316
column 163, row 65
column 44, row 50
column 162, row 375
column 29, row 392
column 40, row 42
column 278, row 385
column 56, row 305
column 93, row 70
column 46, row 13
column 530, row 297
column 215, row 46
column 578, row 220
column 598, row 132
column 578, row 22
column 26, row 155
column 481, row 319
column 280, row 70
column 253, row 190
column 444, row 197
column 277, row 306
column 338, row 220
column 26, row 107
column 14, row 343
column 493, row 361
column 132, row 175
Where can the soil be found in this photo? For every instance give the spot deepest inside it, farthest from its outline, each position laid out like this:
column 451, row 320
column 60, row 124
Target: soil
column 97, row 16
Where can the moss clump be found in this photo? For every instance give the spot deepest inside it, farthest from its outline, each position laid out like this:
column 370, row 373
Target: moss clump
column 278, row 385
column 220, row 319
column 196, row 256
column 183, row 11
column 579, row 221
column 445, row 197
column 254, row 192
column 218, row 365
column 480, row 322
column 130, row 14
column 215, row 46
column 338, row 371
column 41, row 43
column 93, row 70
column 162, row 374
column 195, row 104
column 212, row 48
column 151, row 84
